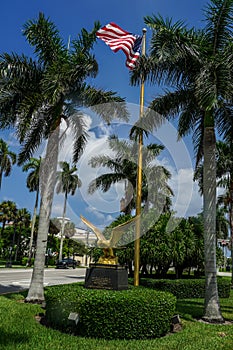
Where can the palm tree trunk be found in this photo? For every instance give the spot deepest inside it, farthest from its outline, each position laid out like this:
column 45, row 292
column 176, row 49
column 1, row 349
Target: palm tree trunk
column 32, row 229
column 63, row 227
column 212, row 308
column 47, row 181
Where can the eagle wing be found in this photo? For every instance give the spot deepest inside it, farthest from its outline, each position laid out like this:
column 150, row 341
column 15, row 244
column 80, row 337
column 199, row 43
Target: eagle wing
column 97, row 232
column 118, row 231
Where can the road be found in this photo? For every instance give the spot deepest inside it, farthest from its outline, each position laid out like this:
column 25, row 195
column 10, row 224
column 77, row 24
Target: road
column 14, row 280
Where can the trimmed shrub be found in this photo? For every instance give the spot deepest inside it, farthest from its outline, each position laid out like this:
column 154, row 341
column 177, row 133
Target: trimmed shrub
column 136, row 313
column 185, row 288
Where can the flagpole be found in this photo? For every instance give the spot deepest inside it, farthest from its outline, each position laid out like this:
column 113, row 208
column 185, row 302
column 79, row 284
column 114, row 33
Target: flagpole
column 139, row 178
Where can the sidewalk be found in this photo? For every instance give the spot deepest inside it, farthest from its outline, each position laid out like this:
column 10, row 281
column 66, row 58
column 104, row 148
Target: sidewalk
column 226, row 274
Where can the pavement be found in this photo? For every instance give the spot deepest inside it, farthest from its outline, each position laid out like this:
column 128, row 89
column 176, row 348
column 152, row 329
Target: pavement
column 18, row 279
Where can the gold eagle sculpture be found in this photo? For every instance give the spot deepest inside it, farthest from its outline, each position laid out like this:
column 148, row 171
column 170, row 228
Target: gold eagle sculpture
column 108, row 244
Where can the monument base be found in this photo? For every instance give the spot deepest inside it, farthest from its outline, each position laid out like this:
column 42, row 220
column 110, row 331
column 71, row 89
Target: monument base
column 103, row 276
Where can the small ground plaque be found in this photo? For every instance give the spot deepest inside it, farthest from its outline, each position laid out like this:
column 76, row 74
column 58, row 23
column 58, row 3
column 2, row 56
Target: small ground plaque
column 103, row 276
column 73, row 317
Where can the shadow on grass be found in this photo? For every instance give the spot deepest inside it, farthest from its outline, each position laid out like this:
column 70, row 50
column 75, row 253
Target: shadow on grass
column 11, row 289
column 226, row 308
column 9, row 338
column 20, row 295
column 190, row 310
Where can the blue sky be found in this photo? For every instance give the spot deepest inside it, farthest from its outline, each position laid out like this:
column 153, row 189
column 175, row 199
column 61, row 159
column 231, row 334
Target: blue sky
column 70, row 17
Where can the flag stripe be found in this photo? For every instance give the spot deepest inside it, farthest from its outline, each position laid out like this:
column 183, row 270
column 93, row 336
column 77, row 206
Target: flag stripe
column 119, row 39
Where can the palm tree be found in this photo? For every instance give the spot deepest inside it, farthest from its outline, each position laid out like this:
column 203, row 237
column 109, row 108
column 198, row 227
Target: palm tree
column 8, row 211
column 224, row 161
column 21, row 220
column 69, row 232
column 123, row 166
column 33, row 185
column 7, row 159
column 67, row 183
column 222, row 223
column 224, row 173
column 199, row 65
column 36, row 96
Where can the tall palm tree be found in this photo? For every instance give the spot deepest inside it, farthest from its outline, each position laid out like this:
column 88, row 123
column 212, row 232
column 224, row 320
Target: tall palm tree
column 224, row 161
column 123, row 166
column 33, row 185
column 198, row 65
column 7, row 159
column 36, row 96
column 67, row 183
column 224, row 173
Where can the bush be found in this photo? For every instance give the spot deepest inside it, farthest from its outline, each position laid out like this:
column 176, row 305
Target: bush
column 185, row 289
column 136, row 313
column 25, row 260
column 51, row 261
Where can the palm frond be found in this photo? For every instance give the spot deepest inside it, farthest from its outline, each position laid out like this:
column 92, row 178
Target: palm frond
column 224, row 121
column 105, row 103
column 78, row 128
column 86, row 39
column 175, row 51
column 198, row 136
column 44, row 36
column 32, row 139
column 218, row 15
column 104, row 182
column 20, row 90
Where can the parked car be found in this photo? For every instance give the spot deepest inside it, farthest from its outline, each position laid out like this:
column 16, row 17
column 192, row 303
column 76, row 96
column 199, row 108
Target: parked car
column 65, row 263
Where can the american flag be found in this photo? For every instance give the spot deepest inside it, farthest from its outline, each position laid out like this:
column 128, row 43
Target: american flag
column 119, row 39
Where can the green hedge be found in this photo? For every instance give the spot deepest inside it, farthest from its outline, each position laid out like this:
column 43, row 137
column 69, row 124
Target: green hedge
column 136, row 313
column 185, row 289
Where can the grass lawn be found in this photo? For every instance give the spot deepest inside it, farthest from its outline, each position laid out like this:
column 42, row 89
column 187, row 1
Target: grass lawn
column 19, row 329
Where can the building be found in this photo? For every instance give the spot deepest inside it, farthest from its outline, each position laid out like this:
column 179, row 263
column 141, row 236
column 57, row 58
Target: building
column 86, row 237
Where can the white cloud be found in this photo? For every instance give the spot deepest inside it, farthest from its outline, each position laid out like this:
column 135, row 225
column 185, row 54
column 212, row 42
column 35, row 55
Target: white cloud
column 99, row 203
column 103, row 206
column 102, row 218
column 57, row 208
column 187, row 200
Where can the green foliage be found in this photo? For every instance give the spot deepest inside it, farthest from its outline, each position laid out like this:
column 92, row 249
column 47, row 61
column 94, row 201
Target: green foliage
column 25, row 260
column 136, row 313
column 169, row 240
column 51, row 261
column 7, row 159
column 187, row 288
